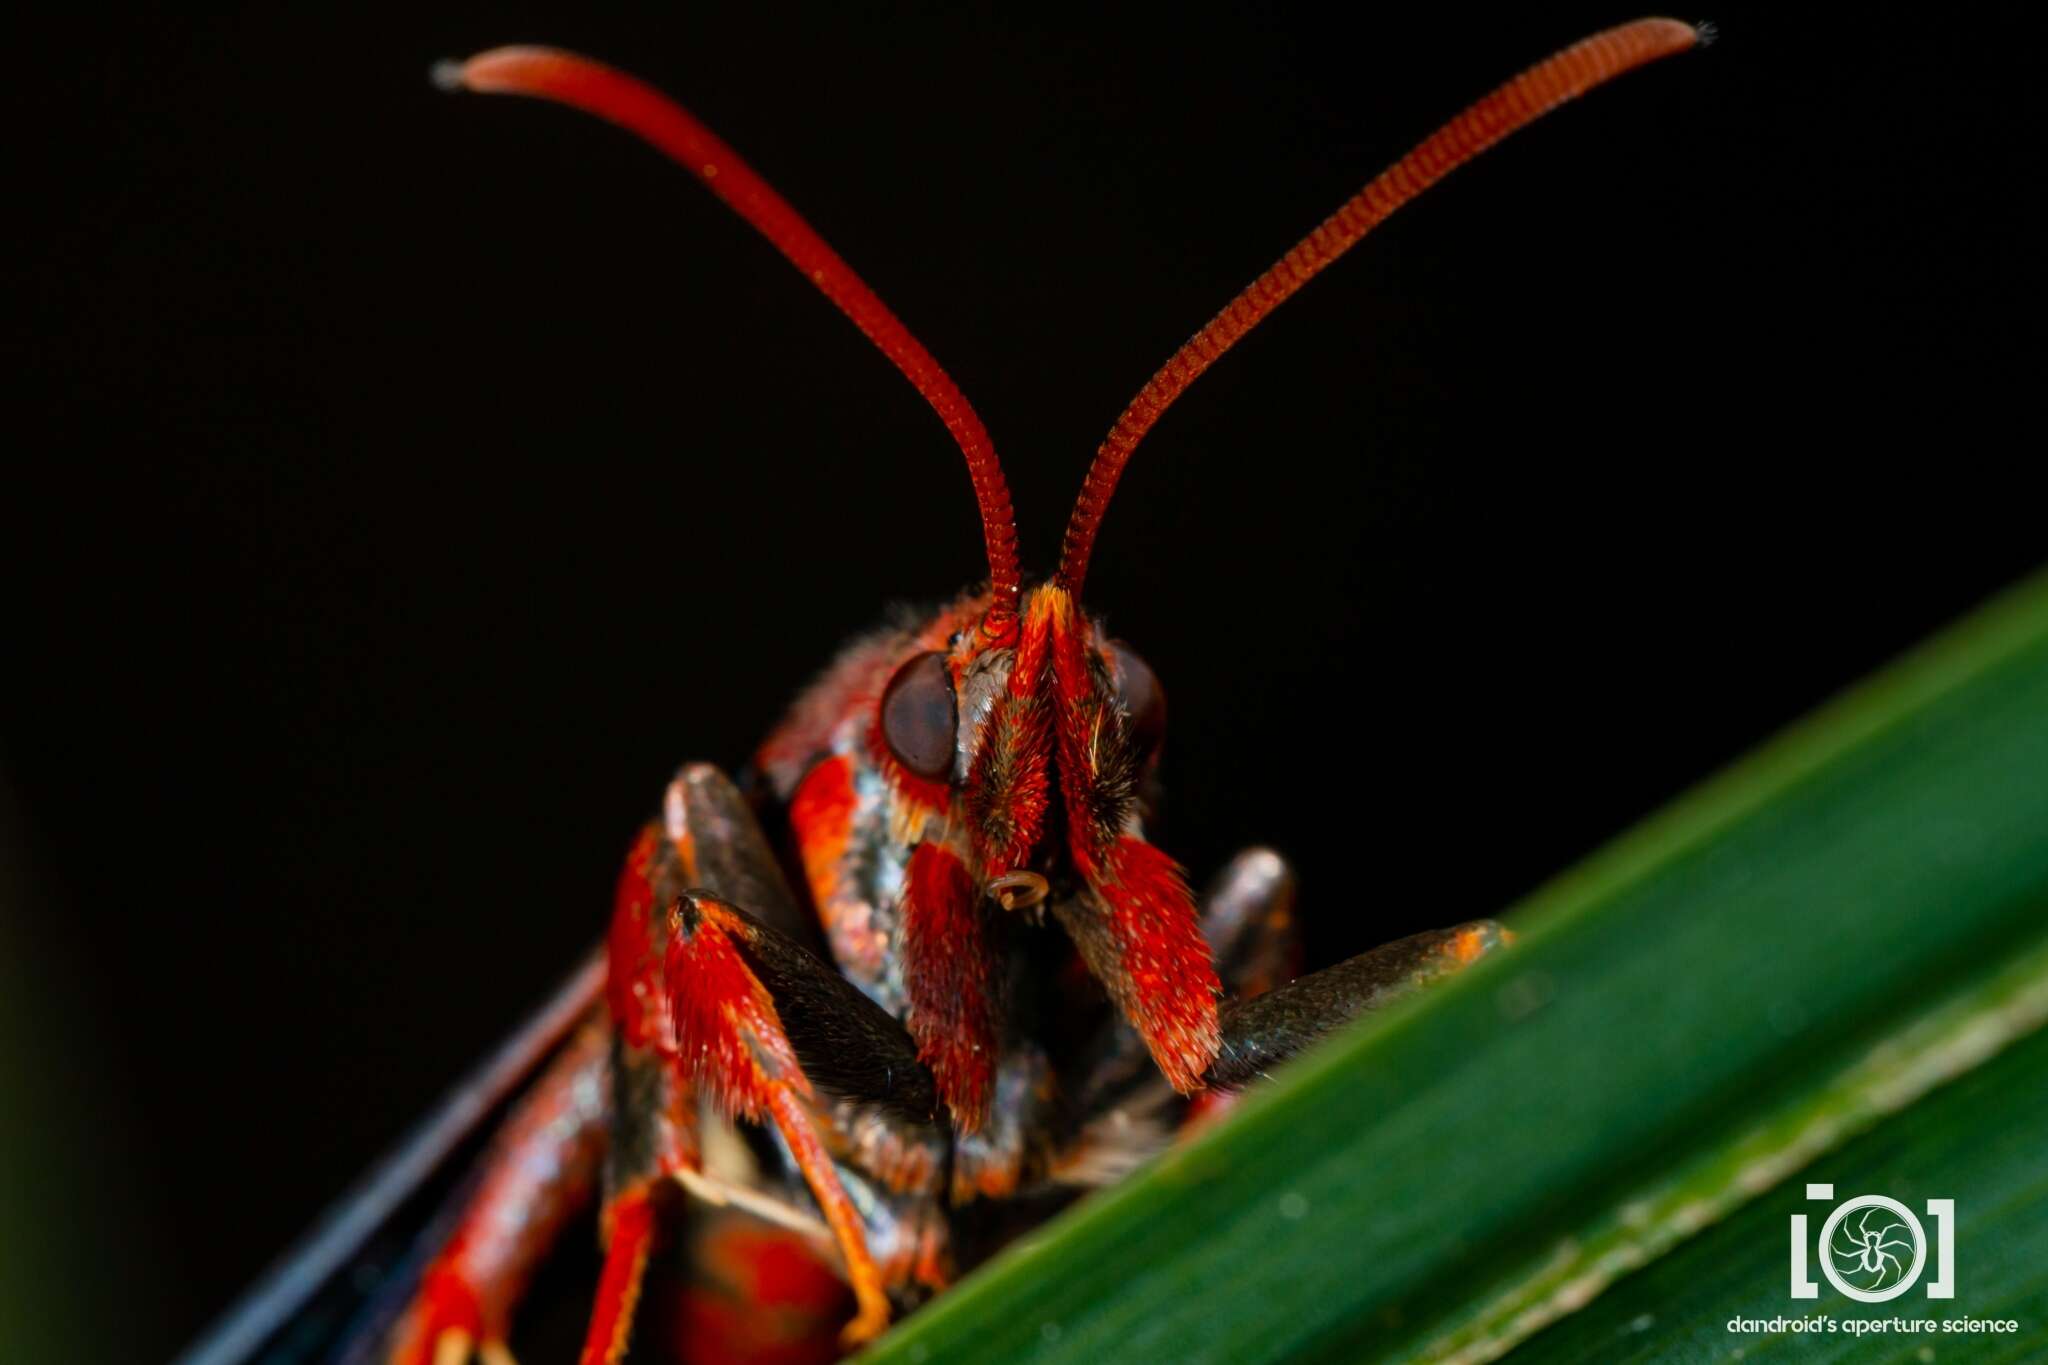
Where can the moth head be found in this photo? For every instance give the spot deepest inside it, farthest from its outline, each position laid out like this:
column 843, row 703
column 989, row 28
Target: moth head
column 1019, row 725
column 1023, row 752
column 1048, row 728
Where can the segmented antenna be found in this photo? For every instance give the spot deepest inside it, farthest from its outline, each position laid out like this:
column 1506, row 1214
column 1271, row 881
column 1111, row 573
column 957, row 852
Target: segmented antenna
column 566, row 78
column 1517, row 104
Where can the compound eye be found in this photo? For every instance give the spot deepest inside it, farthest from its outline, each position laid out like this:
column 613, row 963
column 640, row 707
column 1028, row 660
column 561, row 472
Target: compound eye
column 1144, row 700
column 919, row 718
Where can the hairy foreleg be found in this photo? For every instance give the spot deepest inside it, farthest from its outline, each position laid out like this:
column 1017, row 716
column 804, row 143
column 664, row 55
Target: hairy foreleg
column 730, row 980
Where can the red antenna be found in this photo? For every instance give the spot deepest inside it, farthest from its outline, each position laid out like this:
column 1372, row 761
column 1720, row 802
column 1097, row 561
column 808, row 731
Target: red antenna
column 580, row 83
column 1517, row 104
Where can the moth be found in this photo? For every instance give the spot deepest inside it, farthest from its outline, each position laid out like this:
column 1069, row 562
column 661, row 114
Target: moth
column 918, row 976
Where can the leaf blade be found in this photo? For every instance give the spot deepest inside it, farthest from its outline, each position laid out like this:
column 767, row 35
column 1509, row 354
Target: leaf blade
column 1980, row 1134
column 1678, row 987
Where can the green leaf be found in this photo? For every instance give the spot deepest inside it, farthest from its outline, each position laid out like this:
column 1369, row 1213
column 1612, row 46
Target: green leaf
column 1977, row 1142
column 1805, row 950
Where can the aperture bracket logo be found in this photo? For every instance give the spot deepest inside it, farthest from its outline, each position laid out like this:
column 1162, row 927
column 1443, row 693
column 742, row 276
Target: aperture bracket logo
column 1873, row 1249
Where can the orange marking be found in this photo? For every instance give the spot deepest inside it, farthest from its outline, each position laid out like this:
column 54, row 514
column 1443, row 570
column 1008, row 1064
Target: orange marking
column 821, row 813
column 1049, row 613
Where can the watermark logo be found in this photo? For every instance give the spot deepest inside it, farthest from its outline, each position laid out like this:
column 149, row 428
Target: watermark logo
column 1873, row 1249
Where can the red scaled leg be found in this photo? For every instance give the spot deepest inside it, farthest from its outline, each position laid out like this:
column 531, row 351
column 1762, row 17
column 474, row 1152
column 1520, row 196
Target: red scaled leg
column 730, row 1040
column 631, row 1219
column 654, row 1140
column 541, row 1170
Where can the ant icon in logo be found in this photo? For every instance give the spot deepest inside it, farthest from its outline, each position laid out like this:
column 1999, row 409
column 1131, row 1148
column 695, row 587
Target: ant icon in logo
column 1873, row 1248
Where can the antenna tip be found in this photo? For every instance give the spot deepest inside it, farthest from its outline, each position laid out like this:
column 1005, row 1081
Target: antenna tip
column 448, row 74
column 1705, row 33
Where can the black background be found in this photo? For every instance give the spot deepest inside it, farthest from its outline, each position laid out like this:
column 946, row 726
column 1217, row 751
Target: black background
column 404, row 484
